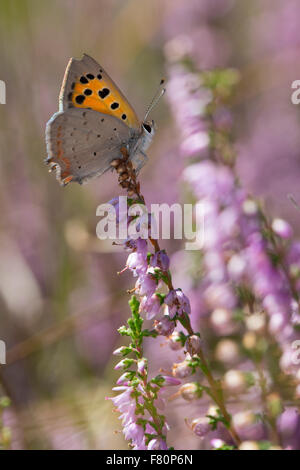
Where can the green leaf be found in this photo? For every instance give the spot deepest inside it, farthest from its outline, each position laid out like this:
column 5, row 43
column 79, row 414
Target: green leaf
column 152, row 333
column 161, row 297
column 134, row 305
column 225, row 447
column 264, row 445
column 214, row 420
column 123, row 331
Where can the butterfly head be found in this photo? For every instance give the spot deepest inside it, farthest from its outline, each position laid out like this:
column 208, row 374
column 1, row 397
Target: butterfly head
column 148, row 129
column 147, row 133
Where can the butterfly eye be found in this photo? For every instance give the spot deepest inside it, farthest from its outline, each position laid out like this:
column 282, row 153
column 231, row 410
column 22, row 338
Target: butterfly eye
column 147, row 127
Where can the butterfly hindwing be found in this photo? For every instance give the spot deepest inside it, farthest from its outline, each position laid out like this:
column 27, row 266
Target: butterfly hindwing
column 81, row 143
column 87, row 85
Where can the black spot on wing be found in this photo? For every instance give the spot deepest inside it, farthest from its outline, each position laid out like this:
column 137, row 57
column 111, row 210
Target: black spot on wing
column 80, row 99
column 103, row 93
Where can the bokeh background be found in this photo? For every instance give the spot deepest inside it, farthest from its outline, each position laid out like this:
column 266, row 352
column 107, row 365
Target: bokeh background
column 61, row 300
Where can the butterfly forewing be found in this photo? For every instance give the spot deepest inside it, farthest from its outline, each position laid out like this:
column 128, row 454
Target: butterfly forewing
column 81, row 143
column 87, row 85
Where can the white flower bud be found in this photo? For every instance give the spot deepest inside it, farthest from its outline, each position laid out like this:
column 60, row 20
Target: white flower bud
column 227, row 351
column 249, row 445
column 256, row 322
column 190, row 391
column 235, row 382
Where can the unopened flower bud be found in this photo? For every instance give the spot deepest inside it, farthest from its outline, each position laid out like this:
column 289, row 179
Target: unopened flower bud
column 193, row 344
column 212, row 411
column 235, row 382
column 249, row 207
column 282, row 228
column 181, row 370
column 201, row 426
column 256, row 322
column 190, row 391
column 222, row 321
column 142, row 366
column 249, row 445
column 120, row 351
column 174, row 341
column 124, row 364
column 227, row 351
column 217, row 443
column 123, row 380
column 243, row 420
column 236, row 267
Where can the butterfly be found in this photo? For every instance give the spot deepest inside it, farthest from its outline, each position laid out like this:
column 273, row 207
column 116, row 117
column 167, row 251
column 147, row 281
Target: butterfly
column 94, row 122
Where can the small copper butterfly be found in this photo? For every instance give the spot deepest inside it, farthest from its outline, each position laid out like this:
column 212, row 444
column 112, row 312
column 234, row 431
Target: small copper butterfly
column 94, row 122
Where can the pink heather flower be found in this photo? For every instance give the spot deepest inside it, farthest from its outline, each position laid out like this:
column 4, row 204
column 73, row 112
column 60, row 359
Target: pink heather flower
column 120, row 365
column 124, row 399
column 142, row 366
column 146, row 284
column 177, row 303
column 151, row 306
column 170, row 381
column 123, row 380
column 288, row 425
column 157, row 444
column 137, row 263
column 164, row 327
column 137, row 260
column 201, row 426
column 120, row 216
column 174, row 341
column 126, row 405
column 118, row 352
column 135, row 433
column 282, row 228
column 220, row 296
column 181, row 369
column 160, row 260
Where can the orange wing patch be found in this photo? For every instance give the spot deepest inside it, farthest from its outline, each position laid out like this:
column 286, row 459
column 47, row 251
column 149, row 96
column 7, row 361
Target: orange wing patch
column 93, row 92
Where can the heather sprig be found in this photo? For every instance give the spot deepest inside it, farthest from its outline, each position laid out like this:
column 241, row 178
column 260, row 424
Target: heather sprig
column 152, row 273
column 140, row 397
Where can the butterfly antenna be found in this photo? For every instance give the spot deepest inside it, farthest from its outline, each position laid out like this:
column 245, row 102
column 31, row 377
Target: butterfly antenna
column 293, row 201
column 159, row 93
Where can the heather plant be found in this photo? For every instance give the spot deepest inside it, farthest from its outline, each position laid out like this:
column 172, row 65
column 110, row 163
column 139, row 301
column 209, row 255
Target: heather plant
column 247, row 279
